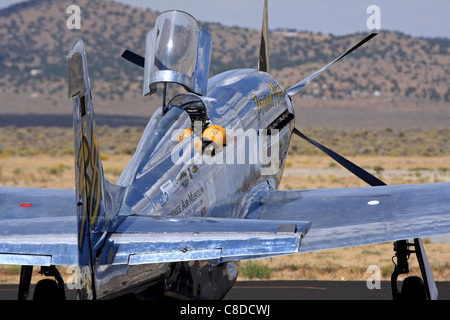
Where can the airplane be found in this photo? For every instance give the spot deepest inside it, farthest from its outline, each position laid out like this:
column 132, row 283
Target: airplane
column 201, row 191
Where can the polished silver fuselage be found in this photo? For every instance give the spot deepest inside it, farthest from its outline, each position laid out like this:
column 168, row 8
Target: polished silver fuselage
column 241, row 101
column 247, row 104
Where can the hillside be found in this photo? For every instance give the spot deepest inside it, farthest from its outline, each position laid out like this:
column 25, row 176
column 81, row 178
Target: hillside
column 393, row 72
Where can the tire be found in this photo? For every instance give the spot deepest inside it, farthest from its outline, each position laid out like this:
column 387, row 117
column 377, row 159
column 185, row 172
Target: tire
column 413, row 289
column 46, row 289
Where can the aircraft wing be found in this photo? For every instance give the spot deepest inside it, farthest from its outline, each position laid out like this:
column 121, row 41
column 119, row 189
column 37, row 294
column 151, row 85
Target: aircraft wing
column 38, row 227
column 147, row 239
column 357, row 216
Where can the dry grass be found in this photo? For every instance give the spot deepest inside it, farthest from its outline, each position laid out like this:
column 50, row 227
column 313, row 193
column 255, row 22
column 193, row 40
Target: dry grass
column 349, row 263
column 310, row 172
column 43, row 171
column 301, row 172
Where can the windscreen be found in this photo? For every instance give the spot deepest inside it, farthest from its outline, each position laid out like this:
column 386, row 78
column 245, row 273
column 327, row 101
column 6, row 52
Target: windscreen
column 177, row 50
column 176, row 43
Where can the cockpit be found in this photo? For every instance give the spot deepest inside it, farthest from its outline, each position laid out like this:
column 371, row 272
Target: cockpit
column 195, row 108
column 209, row 138
column 178, row 51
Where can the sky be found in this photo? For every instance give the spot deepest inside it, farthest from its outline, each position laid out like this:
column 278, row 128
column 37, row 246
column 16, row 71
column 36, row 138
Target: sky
column 413, row 17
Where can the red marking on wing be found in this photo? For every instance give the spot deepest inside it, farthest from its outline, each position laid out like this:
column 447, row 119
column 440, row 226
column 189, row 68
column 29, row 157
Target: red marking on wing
column 26, row 205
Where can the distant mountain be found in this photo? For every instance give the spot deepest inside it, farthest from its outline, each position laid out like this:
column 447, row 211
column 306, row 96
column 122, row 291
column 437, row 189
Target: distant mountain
column 34, row 41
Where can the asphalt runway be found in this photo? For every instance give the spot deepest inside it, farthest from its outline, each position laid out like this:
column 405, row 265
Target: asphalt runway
column 318, row 290
column 286, row 290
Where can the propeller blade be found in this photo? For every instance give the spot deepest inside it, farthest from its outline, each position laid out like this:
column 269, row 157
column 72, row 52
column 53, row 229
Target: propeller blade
column 427, row 275
column 263, row 64
column 301, row 84
column 134, row 58
column 429, row 283
column 350, row 166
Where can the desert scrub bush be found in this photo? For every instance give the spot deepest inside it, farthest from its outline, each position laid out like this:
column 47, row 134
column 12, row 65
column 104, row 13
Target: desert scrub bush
column 56, row 170
column 256, row 270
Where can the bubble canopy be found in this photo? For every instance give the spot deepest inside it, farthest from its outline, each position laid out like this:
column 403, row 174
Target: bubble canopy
column 177, row 50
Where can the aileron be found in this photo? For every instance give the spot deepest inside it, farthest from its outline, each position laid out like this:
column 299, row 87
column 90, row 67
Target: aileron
column 186, row 239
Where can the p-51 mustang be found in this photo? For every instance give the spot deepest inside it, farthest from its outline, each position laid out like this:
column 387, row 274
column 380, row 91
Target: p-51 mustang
column 201, row 190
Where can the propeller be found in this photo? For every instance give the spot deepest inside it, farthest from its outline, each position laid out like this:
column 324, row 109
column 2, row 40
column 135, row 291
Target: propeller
column 427, row 276
column 263, row 63
column 350, row 166
column 134, row 58
column 353, row 168
column 301, row 84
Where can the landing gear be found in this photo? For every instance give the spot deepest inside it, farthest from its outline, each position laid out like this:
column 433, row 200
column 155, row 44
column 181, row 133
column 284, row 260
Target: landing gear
column 413, row 288
column 25, row 280
column 46, row 289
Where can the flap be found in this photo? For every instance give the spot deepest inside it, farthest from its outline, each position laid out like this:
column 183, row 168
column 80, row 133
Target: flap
column 145, row 239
